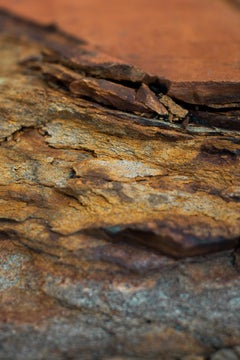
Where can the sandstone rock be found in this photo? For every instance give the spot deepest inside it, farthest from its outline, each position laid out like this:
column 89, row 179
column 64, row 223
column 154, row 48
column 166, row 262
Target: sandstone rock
column 83, row 186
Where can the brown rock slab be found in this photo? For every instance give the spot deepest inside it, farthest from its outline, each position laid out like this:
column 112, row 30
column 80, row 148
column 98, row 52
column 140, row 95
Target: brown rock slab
column 145, row 96
column 108, row 93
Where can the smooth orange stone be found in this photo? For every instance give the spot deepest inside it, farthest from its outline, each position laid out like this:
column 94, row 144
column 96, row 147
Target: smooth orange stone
column 185, row 40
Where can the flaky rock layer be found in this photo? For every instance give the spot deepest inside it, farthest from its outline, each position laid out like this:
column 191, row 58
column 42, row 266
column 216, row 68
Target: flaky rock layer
column 105, row 182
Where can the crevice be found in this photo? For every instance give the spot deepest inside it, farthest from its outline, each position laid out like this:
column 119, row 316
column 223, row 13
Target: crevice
column 15, row 135
column 7, row 234
column 207, row 108
column 72, row 174
column 234, row 260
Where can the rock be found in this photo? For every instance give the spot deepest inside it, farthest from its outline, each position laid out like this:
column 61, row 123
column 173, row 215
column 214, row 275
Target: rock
column 178, row 44
column 226, row 354
column 60, row 73
column 108, row 93
column 100, row 211
column 174, row 108
column 147, row 97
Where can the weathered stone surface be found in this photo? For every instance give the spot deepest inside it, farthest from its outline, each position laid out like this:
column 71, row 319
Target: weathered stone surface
column 108, row 93
column 81, row 186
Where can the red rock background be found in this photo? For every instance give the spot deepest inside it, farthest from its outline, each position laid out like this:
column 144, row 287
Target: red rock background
column 185, row 40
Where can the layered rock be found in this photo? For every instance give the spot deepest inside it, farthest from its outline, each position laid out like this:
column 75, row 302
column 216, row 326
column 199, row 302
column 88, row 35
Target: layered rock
column 106, row 181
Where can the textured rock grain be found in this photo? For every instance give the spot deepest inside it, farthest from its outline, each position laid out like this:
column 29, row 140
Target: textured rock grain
column 82, row 185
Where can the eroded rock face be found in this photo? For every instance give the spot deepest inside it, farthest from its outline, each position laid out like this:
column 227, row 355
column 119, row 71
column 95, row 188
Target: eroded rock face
column 82, row 186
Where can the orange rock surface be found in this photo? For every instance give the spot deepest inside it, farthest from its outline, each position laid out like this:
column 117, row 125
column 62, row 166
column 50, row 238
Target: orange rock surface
column 99, row 202
column 187, row 41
